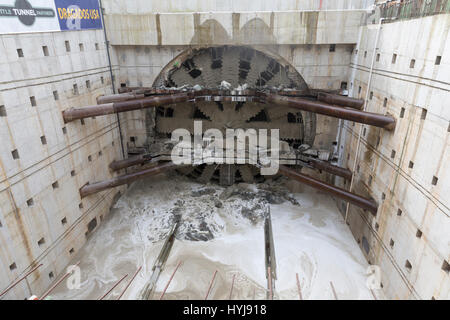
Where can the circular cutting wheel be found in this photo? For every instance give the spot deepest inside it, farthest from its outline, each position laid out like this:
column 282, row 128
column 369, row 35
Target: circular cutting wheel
column 237, row 66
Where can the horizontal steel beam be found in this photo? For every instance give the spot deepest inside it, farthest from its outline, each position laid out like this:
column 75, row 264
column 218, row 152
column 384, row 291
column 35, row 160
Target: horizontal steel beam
column 373, row 119
column 126, row 102
column 327, row 97
column 123, row 106
column 130, row 89
column 366, row 204
column 328, row 167
column 89, row 189
column 134, row 101
column 129, row 162
column 119, row 97
column 340, row 100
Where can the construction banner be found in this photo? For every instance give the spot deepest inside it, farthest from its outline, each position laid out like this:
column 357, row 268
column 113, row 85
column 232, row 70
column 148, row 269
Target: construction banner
column 21, row 16
column 17, row 16
column 78, row 14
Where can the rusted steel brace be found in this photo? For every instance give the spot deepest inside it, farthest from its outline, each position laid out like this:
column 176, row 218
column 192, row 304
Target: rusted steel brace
column 340, row 100
column 330, row 168
column 373, row 119
column 366, row 204
column 119, row 97
column 123, row 106
column 89, row 189
column 129, row 162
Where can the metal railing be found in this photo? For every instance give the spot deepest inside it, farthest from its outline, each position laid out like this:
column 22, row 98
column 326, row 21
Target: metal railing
column 410, row 9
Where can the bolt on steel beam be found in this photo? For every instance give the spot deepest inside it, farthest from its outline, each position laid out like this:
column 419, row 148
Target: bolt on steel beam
column 373, row 119
column 364, row 203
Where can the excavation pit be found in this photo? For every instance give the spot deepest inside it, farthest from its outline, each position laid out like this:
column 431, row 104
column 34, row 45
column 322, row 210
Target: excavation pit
column 309, row 236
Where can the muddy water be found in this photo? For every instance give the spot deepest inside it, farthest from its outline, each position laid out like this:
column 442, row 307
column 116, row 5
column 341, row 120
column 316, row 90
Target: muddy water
column 222, row 229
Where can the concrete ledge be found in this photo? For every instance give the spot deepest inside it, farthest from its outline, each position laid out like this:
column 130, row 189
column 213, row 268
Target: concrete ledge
column 219, row 28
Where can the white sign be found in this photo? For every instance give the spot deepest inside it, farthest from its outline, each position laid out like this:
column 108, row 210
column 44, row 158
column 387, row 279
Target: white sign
column 17, row 16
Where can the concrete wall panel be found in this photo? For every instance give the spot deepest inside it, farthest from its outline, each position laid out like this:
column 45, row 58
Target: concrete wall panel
column 409, row 236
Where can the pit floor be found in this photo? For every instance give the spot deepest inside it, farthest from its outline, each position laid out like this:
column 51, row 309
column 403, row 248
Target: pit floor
column 310, row 236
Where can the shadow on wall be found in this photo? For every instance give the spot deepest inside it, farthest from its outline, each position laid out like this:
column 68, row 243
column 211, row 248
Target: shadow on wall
column 211, row 32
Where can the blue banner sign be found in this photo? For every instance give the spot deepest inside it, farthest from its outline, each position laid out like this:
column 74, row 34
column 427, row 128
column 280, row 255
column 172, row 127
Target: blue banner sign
column 18, row 16
column 78, row 14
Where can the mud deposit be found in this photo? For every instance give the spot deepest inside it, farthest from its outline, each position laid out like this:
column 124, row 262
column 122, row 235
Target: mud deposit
column 222, row 229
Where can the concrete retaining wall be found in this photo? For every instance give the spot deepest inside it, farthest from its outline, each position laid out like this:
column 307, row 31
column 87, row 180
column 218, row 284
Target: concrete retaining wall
column 43, row 162
column 407, row 170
